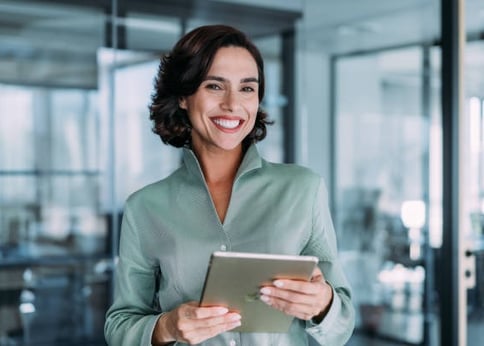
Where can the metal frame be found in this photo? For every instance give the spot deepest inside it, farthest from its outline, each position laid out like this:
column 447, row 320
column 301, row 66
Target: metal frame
column 450, row 291
column 332, row 133
column 289, row 110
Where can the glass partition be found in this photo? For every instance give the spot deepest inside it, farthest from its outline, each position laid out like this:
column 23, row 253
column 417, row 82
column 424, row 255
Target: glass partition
column 473, row 151
column 382, row 147
column 53, row 230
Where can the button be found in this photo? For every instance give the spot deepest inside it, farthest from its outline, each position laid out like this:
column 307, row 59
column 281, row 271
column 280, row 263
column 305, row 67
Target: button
column 224, row 248
column 232, row 343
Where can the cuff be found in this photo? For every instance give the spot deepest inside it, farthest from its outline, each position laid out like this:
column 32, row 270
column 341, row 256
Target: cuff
column 331, row 316
column 152, row 329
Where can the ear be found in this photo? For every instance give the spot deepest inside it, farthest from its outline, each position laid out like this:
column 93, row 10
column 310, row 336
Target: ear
column 182, row 103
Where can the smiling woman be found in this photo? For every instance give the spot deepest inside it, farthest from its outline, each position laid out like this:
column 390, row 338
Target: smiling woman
column 207, row 100
column 223, row 109
column 184, row 70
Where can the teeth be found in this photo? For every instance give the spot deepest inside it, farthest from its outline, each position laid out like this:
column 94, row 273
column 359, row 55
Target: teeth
column 228, row 124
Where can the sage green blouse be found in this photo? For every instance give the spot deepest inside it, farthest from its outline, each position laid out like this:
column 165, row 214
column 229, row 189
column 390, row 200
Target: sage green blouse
column 170, row 228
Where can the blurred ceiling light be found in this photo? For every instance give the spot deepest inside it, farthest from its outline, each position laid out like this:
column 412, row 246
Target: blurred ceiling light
column 149, row 24
column 413, row 214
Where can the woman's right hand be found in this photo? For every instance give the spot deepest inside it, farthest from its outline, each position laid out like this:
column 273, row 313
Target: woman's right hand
column 192, row 324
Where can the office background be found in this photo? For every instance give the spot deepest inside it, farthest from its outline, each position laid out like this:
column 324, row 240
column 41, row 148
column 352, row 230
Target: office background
column 354, row 88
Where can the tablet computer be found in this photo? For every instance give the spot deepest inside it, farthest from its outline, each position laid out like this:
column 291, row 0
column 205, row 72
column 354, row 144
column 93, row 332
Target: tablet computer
column 233, row 280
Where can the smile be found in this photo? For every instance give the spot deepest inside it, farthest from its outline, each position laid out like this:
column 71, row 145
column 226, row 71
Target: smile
column 227, row 123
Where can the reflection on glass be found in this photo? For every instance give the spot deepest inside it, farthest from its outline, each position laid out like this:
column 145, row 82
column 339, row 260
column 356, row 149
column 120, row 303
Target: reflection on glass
column 381, row 153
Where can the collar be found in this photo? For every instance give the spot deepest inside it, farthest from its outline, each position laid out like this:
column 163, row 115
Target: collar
column 251, row 161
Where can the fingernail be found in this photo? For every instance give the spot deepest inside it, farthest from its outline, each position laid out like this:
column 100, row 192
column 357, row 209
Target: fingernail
column 265, row 290
column 235, row 317
column 222, row 311
column 265, row 299
column 278, row 283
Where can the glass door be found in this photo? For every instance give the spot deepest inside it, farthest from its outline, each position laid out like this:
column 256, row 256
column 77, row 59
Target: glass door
column 382, row 146
column 473, row 201
column 472, row 195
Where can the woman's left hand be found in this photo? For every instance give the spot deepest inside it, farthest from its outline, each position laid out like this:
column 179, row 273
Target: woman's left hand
column 301, row 299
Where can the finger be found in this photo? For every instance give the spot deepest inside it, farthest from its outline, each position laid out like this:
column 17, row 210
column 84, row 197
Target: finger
column 270, row 293
column 197, row 335
column 300, row 305
column 222, row 320
column 317, row 275
column 304, row 287
column 189, row 318
column 221, row 327
column 195, row 312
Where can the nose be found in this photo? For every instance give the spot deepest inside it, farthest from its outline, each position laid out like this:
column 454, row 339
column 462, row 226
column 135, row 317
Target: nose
column 230, row 101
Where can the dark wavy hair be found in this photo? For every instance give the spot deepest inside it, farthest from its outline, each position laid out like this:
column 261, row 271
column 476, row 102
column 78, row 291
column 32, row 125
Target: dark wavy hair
column 183, row 70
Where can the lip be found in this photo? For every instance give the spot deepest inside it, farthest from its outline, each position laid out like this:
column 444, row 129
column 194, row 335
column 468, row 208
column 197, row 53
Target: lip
column 227, row 118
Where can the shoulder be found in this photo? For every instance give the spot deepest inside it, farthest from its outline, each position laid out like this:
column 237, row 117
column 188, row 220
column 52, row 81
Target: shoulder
column 291, row 172
column 293, row 177
column 152, row 192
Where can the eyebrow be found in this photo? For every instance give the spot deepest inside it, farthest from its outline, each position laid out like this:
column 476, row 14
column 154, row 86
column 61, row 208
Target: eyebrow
column 243, row 80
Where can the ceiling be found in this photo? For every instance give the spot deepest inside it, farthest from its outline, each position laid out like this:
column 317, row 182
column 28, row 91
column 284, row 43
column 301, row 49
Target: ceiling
column 49, row 40
column 349, row 25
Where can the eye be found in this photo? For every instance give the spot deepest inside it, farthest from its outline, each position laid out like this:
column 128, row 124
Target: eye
column 213, row 86
column 248, row 89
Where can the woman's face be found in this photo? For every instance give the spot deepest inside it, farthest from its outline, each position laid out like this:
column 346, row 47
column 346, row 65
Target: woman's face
column 223, row 109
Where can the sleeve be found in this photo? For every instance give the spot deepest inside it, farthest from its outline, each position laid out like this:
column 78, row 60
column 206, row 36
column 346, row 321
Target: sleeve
column 338, row 324
column 132, row 317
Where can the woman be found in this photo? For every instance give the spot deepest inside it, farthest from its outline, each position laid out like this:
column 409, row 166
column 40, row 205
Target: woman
column 223, row 197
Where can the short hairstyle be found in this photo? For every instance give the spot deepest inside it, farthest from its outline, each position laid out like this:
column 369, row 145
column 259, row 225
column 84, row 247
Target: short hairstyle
column 181, row 72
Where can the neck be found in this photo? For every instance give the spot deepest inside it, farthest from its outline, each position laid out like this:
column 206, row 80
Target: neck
column 219, row 166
